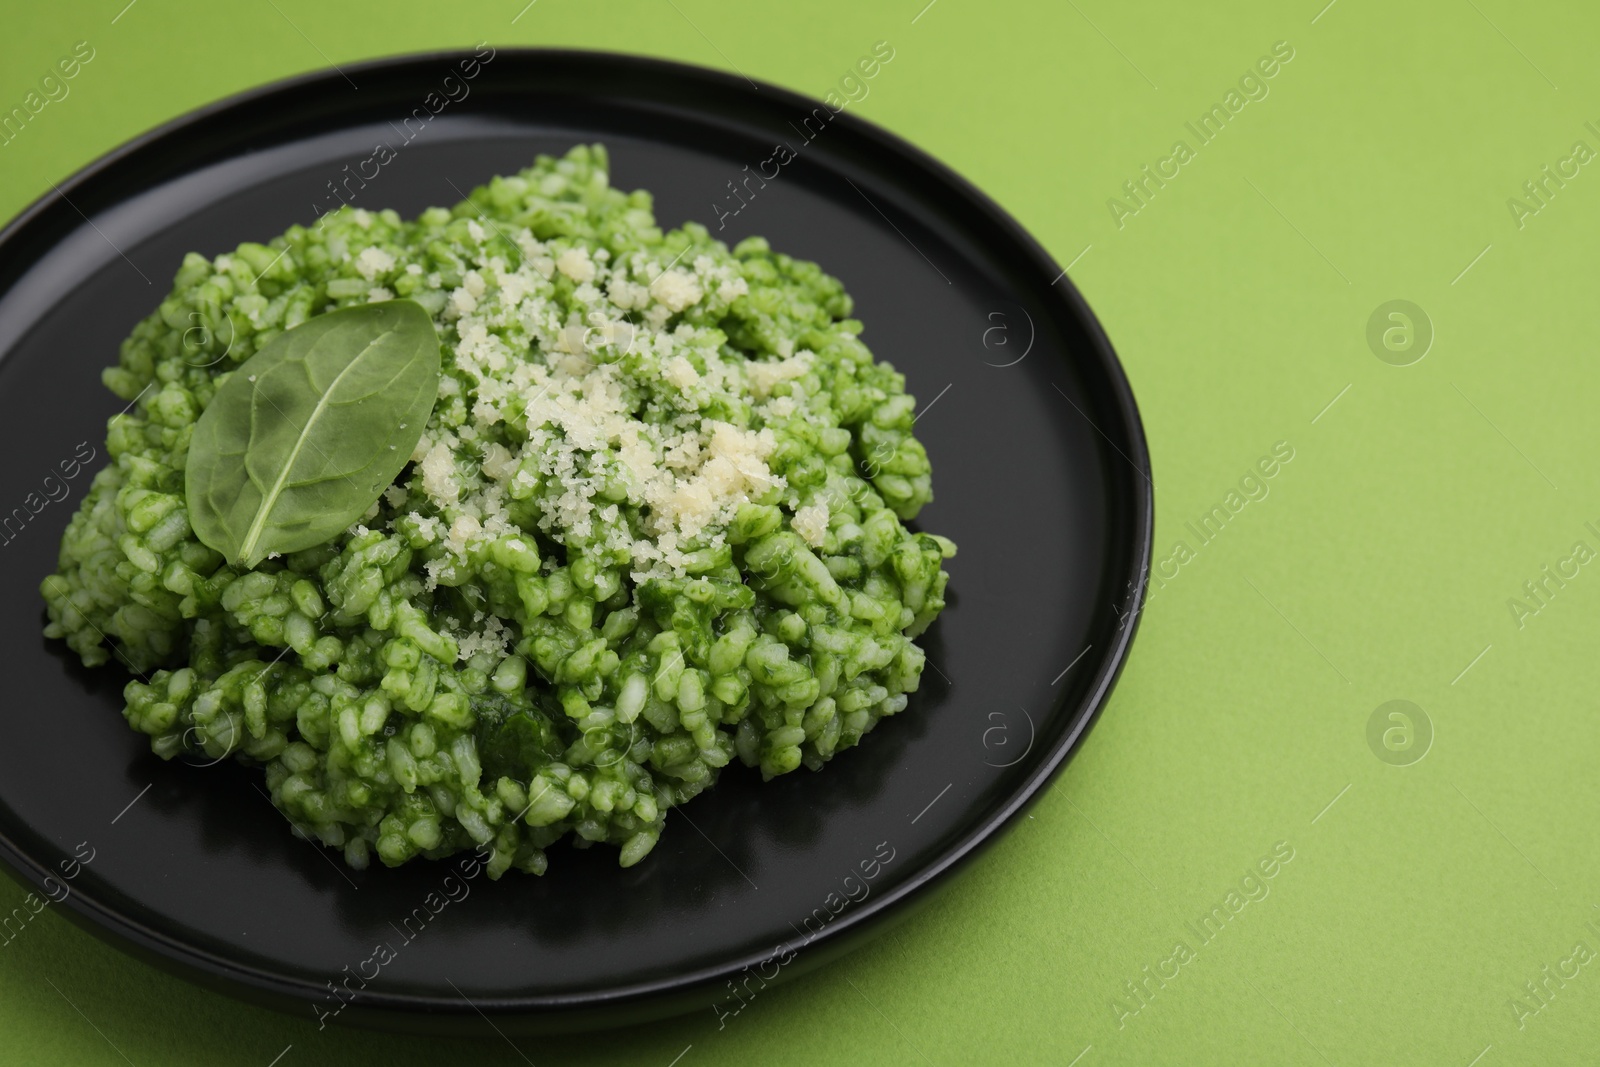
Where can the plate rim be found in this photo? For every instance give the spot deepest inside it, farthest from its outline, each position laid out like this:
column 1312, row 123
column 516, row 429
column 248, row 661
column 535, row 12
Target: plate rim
column 369, row 1007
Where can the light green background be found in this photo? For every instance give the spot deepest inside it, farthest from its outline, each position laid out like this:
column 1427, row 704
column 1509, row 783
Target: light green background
column 1378, row 568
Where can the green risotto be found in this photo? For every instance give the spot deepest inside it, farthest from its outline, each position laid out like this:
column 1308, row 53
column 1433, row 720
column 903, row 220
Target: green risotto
column 653, row 523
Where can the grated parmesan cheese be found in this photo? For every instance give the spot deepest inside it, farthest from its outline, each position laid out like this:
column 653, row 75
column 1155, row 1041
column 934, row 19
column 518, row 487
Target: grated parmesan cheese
column 675, row 290
column 575, row 264
column 466, row 528
column 439, row 475
column 811, row 523
column 373, row 262
column 494, row 639
column 764, row 375
column 680, row 372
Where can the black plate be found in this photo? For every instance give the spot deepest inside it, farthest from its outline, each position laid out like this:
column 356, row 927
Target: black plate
column 1040, row 470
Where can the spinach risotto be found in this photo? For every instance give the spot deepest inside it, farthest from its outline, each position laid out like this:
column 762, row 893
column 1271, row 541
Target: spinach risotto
column 519, row 520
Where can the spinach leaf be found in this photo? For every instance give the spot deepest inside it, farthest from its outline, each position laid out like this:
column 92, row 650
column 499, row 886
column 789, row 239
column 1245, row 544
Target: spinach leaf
column 300, row 440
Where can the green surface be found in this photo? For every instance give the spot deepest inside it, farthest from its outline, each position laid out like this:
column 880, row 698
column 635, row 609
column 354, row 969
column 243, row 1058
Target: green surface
column 1379, row 566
